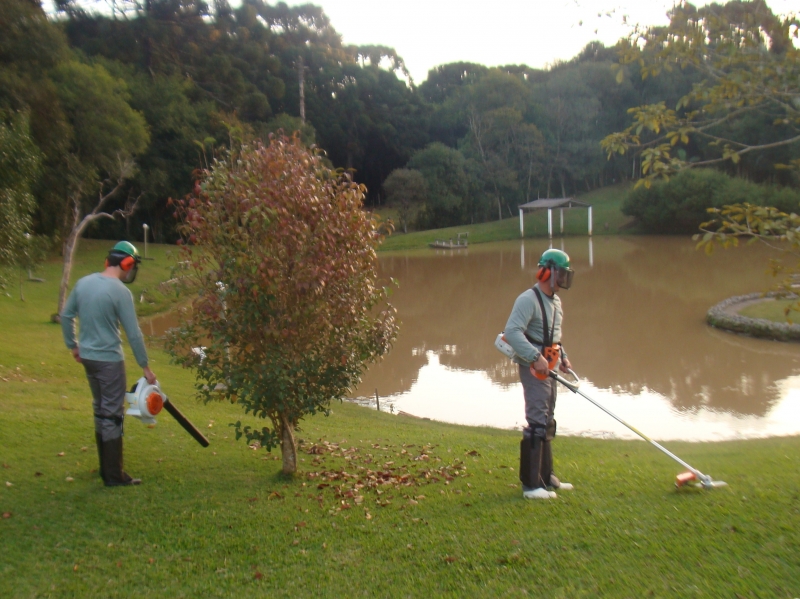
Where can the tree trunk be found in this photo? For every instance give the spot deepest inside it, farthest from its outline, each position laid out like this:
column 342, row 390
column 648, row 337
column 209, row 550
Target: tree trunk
column 70, row 246
column 302, row 85
column 288, row 447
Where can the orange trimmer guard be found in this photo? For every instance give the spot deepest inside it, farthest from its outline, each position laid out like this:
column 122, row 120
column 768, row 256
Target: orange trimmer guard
column 683, row 478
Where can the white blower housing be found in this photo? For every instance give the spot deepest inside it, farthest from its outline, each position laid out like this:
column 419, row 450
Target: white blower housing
column 146, row 401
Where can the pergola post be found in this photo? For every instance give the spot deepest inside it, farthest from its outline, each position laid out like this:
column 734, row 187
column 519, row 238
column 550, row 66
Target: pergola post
column 590, row 221
column 562, row 220
column 550, row 223
column 521, row 226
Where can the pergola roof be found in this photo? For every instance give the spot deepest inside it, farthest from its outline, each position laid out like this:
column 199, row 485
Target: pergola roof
column 554, row 203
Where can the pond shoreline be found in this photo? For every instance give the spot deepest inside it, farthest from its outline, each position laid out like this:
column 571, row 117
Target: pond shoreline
column 725, row 315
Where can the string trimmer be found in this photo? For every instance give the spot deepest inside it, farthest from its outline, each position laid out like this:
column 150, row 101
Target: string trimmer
column 693, row 475
column 146, row 402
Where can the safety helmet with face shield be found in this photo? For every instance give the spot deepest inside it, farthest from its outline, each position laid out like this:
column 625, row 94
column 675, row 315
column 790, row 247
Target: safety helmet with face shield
column 125, row 255
column 555, row 263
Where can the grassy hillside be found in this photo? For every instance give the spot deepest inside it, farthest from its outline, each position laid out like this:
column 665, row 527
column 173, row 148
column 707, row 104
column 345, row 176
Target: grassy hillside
column 607, row 218
column 383, row 505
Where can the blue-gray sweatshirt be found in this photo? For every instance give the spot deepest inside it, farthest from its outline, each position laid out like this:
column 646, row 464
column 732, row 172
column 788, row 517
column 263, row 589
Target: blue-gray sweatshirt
column 526, row 317
column 101, row 304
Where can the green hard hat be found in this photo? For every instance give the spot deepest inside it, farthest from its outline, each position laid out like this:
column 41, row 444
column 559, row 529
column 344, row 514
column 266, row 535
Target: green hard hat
column 555, row 258
column 126, row 247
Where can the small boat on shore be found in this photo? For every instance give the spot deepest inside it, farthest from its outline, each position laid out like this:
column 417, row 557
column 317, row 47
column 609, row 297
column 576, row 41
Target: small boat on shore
column 459, row 243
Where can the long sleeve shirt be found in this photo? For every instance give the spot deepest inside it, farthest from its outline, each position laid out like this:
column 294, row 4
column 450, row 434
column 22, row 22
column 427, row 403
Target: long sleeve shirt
column 526, row 318
column 101, row 304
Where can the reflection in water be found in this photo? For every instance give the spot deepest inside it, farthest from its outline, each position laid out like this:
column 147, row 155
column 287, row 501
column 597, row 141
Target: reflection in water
column 634, row 329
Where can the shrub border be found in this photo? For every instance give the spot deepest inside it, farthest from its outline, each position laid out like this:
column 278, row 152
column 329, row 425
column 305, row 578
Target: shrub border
column 719, row 318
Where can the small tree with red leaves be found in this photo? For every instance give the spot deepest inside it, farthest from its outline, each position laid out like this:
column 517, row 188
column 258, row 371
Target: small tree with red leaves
column 288, row 309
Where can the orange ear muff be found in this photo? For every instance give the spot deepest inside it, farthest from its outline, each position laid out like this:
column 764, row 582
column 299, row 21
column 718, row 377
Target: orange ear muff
column 106, row 263
column 127, row 263
column 543, row 274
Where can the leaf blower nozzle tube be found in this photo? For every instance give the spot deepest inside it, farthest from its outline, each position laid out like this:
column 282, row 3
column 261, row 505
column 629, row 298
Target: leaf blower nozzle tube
column 184, row 422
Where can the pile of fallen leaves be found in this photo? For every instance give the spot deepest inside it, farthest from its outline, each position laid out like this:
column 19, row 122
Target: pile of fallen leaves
column 379, row 471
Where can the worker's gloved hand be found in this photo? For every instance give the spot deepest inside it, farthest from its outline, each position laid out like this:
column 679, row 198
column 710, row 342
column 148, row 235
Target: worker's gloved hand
column 149, row 375
column 540, row 366
column 565, row 365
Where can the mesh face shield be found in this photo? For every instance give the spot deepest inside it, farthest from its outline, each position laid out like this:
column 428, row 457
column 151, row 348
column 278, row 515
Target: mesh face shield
column 563, row 277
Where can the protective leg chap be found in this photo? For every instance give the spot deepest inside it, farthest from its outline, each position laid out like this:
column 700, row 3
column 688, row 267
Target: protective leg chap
column 547, row 454
column 530, row 457
column 547, row 464
column 547, row 461
column 111, row 469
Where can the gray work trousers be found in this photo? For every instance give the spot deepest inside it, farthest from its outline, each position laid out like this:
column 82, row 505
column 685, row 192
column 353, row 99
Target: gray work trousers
column 540, row 398
column 108, row 384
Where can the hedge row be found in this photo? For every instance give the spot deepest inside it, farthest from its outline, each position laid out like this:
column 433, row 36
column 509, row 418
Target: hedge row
column 679, row 205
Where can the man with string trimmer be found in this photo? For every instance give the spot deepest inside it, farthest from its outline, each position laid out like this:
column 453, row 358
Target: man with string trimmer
column 533, row 331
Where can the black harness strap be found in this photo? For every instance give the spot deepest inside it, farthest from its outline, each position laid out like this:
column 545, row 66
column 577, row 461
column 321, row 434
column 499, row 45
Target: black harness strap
column 548, row 339
column 115, row 419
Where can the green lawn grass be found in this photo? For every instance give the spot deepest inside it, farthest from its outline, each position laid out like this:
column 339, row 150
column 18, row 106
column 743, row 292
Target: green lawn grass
column 223, row 522
column 774, row 310
column 607, row 219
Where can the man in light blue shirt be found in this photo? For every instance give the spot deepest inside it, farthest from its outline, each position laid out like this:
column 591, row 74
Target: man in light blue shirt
column 533, row 330
column 101, row 302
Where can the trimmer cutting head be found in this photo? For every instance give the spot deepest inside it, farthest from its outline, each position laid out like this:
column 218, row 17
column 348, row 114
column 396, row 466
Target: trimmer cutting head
column 697, row 480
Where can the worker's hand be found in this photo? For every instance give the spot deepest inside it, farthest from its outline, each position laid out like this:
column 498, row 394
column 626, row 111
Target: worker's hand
column 540, row 366
column 565, row 365
column 149, row 375
column 76, row 354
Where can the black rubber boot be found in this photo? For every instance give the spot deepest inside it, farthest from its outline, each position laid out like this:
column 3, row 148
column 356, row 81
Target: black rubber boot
column 112, row 472
column 98, row 438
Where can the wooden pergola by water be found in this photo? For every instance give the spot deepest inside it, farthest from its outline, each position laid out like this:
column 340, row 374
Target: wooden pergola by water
column 550, row 204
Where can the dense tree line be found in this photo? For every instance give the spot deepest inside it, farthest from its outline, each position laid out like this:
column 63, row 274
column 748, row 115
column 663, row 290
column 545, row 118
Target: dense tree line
column 147, row 91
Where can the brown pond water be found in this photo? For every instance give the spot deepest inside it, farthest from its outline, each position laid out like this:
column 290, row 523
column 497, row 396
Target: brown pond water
column 634, row 329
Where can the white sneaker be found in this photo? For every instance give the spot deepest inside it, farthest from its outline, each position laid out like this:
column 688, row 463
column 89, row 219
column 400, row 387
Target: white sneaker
column 540, row 493
column 561, row 486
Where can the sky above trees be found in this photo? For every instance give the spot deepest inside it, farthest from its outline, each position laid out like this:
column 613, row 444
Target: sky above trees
column 427, row 33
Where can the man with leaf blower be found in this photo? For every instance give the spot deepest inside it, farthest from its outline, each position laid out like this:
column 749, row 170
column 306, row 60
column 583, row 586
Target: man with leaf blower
column 101, row 303
column 533, row 331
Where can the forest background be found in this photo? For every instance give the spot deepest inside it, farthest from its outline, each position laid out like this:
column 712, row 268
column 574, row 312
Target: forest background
column 133, row 97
